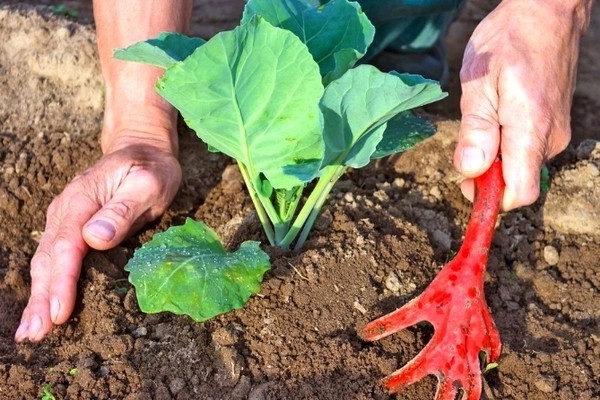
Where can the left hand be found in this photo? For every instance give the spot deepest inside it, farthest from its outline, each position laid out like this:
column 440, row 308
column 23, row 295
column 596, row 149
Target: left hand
column 518, row 78
column 124, row 190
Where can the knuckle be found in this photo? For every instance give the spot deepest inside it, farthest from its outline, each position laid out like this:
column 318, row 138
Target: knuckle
column 150, row 181
column 477, row 122
column 161, row 186
column 547, row 137
column 472, row 70
column 54, row 206
column 559, row 141
column 123, row 210
column 61, row 245
column 40, row 261
column 527, row 192
column 480, row 64
column 530, row 195
column 466, row 73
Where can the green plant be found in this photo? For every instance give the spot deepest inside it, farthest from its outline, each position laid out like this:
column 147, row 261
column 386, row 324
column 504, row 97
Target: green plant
column 121, row 290
column 62, row 9
column 545, row 179
column 47, row 393
column 450, row 255
column 484, row 365
column 281, row 95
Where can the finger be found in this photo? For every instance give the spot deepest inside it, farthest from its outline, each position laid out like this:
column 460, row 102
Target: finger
column 56, row 265
column 467, row 187
column 530, row 135
column 137, row 201
column 521, row 169
column 524, row 154
column 479, row 133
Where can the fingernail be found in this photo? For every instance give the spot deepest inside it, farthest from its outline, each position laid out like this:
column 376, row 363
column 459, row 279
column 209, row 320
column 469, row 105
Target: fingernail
column 54, row 309
column 472, row 160
column 20, row 334
column 102, row 230
column 509, row 200
column 35, row 326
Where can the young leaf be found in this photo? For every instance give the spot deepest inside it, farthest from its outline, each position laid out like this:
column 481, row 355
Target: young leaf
column 163, row 51
column 401, row 133
column 337, row 33
column 186, row 270
column 253, row 94
column 357, row 106
column 545, row 179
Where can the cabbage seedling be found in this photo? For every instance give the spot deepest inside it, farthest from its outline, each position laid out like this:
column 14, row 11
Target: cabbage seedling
column 281, row 95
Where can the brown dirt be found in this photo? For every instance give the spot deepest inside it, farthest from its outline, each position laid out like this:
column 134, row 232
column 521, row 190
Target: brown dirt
column 297, row 339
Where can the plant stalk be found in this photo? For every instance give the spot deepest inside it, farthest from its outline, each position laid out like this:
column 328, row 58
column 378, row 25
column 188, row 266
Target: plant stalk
column 318, row 196
column 260, row 210
column 316, row 211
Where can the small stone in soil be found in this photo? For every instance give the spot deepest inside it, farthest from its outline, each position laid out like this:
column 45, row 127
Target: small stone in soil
column 551, row 255
column 589, row 148
column 259, row 392
column 436, row 192
column 392, row 283
column 162, row 331
column 359, row 307
column 398, row 182
column 140, row 332
column 60, row 389
column 103, row 372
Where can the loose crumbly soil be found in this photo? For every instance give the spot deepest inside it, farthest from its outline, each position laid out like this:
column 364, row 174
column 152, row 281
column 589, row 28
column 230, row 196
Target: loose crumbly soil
column 384, row 234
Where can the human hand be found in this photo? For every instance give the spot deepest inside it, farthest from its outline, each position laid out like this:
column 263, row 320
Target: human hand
column 518, row 78
column 128, row 187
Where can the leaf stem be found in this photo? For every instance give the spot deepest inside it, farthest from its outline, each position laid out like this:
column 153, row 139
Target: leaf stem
column 260, row 210
column 314, row 214
column 293, row 205
column 310, row 209
column 280, row 227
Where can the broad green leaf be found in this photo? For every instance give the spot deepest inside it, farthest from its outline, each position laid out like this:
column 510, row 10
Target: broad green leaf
column 357, row 107
column 337, row 33
column 401, row 133
column 186, row 270
column 253, row 93
column 163, row 51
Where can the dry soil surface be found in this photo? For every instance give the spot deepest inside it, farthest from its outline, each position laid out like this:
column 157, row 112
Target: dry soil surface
column 384, row 234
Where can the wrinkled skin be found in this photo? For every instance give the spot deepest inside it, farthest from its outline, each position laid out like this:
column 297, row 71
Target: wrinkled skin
column 517, row 78
column 98, row 209
column 135, row 180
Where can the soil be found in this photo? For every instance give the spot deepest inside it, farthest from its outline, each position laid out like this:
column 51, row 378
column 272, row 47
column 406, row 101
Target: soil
column 384, row 234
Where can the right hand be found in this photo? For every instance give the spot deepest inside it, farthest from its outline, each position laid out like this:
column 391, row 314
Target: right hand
column 517, row 88
column 132, row 184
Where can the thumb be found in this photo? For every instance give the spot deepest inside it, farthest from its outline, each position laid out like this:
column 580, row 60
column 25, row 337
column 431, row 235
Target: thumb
column 129, row 208
column 478, row 136
column 479, row 133
column 112, row 223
